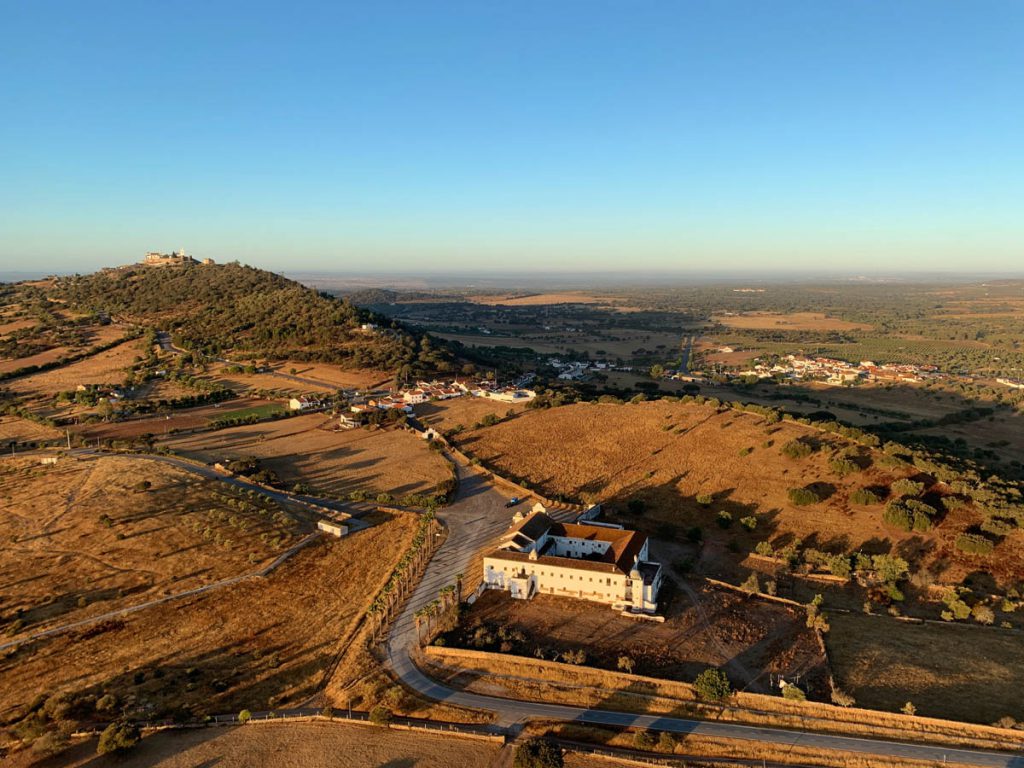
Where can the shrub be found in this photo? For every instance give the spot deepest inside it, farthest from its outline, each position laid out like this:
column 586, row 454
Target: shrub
column 764, row 549
column 50, row 743
column 803, row 496
column 537, row 753
column 864, row 497
column 724, row 519
column 106, row 704
column 797, row 449
column 643, row 740
column 626, row 664
column 704, row 499
column 712, row 685
column 974, row 543
column 118, row 737
column 380, row 715
column 244, row 716
column 843, row 466
column 909, row 514
column 983, row 614
column 751, row 586
column 793, row 693
column 749, row 522
column 906, row 487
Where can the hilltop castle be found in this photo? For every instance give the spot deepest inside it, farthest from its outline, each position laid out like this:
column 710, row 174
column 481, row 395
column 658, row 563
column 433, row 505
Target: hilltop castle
column 176, row 259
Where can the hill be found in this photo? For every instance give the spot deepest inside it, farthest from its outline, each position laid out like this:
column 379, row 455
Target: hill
column 744, row 483
column 247, row 312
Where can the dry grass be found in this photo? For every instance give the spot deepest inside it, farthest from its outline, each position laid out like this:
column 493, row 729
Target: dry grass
column 14, row 429
column 291, row 745
column 262, row 643
column 958, row 672
column 80, row 540
column 339, row 378
column 334, row 462
column 466, row 411
column 795, row 321
column 694, row 745
column 183, row 419
column 750, row 638
column 540, row 299
column 534, row 680
column 103, row 368
column 666, row 454
column 42, row 358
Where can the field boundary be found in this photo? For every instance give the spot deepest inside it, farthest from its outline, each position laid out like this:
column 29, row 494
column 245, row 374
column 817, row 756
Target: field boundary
column 751, row 708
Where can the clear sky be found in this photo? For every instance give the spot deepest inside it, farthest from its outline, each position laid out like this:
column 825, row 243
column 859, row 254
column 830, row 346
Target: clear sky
column 514, row 134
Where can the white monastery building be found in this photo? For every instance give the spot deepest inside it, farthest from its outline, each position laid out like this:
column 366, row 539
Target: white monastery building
column 603, row 563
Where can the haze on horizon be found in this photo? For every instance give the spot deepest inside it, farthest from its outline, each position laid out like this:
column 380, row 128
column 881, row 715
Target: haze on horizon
column 422, row 138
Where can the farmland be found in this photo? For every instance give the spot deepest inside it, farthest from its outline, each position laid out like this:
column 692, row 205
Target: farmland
column 294, row 745
column 308, row 449
column 950, row 671
column 796, row 321
column 87, row 536
column 18, row 430
column 749, row 638
column 108, row 367
column 177, row 420
column 444, row 415
column 261, row 643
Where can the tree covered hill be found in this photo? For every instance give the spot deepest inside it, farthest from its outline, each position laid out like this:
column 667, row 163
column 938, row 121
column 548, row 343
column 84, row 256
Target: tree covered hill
column 249, row 313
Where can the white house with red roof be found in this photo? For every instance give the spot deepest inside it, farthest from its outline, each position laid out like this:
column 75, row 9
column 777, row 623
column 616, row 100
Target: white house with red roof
column 603, row 563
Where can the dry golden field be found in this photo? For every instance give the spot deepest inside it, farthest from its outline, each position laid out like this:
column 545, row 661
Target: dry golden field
column 102, row 368
column 795, row 321
column 179, row 419
column 260, row 643
column 540, row 299
column 954, row 671
column 14, row 429
column 466, row 410
column 42, row 358
column 82, row 537
column 339, row 378
column 750, row 638
column 308, row 449
column 666, row 454
column 289, row 745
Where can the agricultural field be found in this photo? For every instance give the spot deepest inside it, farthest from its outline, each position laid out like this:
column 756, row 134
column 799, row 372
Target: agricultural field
column 108, row 367
column 967, row 673
column 261, row 643
column 17, row 430
column 795, row 321
column 291, row 745
column 750, row 638
column 167, row 423
column 309, row 449
column 688, row 466
column 464, row 411
column 86, row 536
column 542, row 299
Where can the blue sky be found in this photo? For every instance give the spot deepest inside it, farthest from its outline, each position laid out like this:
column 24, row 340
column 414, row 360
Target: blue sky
column 423, row 136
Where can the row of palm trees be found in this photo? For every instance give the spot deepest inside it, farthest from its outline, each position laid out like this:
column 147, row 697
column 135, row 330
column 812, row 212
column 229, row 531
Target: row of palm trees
column 443, row 608
column 404, row 577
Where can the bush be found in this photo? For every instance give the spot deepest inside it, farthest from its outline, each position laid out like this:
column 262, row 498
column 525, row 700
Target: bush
column 905, row 487
column 803, row 496
column 643, row 740
column 380, row 715
column 797, row 449
column 244, row 716
column 974, row 544
column 704, row 499
column 793, row 693
column 106, row 704
column 864, row 497
column 50, row 744
column 909, row 514
column 712, row 685
column 724, row 519
column 843, row 466
column 749, row 522
column 118, row 737
column 537, row 753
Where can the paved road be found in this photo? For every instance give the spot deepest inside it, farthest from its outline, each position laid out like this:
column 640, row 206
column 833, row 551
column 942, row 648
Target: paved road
column 476, row 517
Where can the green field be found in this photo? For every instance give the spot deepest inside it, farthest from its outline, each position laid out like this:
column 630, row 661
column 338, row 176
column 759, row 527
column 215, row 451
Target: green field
column 256, row 412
